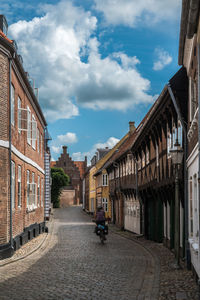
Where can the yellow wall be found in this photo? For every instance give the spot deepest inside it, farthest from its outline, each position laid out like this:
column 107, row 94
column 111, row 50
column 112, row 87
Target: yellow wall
column 93, row 180
column 92, row 189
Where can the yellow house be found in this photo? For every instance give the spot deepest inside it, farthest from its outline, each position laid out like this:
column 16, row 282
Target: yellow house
column 99, row 183
column 92, row 190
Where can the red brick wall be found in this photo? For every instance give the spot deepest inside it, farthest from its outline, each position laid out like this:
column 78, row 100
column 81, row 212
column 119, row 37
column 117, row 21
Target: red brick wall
column 21, row 217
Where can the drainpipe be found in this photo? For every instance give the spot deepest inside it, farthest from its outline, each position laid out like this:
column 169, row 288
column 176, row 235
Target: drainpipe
column 10, row 152
column 187, row 248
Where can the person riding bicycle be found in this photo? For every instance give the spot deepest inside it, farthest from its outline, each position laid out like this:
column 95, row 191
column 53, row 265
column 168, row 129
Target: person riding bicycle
column 100, row 217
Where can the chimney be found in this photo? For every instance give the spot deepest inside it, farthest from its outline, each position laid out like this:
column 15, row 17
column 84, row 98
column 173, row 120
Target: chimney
column 3, row 24
column 85, row 161
column 131, row 127
column 64, row 149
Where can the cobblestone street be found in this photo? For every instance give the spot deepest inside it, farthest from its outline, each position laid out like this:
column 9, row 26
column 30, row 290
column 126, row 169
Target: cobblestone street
column 74, row 265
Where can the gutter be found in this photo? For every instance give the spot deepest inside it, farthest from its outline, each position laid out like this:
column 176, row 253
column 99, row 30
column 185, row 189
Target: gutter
column 10, row 153
column 187, row 248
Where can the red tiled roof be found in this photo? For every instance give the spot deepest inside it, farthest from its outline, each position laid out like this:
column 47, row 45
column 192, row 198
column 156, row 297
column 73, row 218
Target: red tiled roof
column 81, row 166
column 5, row 37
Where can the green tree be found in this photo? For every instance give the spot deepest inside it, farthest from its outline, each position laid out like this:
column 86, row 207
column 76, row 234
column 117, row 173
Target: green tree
column 59, row 179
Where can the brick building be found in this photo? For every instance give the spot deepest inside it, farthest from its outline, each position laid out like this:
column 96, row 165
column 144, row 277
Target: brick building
column 22, row 141
column 75, row 170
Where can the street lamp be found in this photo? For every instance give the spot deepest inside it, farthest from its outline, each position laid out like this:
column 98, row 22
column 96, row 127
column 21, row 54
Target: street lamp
column 177, row 157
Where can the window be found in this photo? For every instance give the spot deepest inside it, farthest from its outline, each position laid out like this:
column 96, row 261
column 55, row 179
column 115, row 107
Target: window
column 12, row 105
column 180, row 133
column 147, row 155
column 157, row 155
column 139, row 163
column 193, row 98
column 42, row 192
column 191, row 208
column 33, row 190
column 38, row 192
column 28, row 187
column 19, row 186
column 29, row 126
column 105, row 204
column 19, row 115
column 143, row 159
column 41, row 143
column 38, row 141
column 34, row 132
column 13, row 184
column 104, row 179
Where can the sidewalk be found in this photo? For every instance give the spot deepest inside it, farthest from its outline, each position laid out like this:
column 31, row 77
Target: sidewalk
column 174, row 284
column 29, row 247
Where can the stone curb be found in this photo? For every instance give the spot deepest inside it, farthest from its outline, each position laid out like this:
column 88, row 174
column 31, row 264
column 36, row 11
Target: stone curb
column 50, row 230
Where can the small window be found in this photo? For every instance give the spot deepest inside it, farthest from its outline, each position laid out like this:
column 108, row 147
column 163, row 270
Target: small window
column 19, row 115
column 105, row 204
column 193, row 98
column 28, row 187
column 19, row 186
column 42, row 191
column 29, row 126
column 12, row 105
column 34, row 132
column 38, row 141
column 13, row 184
column 38, row 191
column 105, row 179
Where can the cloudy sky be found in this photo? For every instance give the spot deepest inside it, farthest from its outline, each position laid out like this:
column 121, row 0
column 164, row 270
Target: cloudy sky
column 98, row 64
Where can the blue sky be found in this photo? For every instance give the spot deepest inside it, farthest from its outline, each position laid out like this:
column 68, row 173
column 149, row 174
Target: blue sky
column 97, row 64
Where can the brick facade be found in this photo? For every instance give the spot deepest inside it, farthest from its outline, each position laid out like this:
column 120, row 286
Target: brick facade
column 75, row 171
column 25, row 156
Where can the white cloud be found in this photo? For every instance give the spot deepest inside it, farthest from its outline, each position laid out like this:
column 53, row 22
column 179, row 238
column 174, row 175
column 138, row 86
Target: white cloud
column 163, row 59
column 63, row 139
column 56, row 149
column 110, row 143
column 68, row 138
column 133, row 12
column 53, row 47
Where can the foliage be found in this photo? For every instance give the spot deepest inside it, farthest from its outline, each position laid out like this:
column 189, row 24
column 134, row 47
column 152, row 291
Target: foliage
column 59, row 179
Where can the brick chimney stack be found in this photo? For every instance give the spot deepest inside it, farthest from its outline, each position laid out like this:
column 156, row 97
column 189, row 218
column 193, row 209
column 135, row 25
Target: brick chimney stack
column 131, row 127
column 64, row 149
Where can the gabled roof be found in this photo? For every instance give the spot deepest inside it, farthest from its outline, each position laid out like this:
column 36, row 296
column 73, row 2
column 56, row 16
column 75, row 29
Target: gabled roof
column 5, row 37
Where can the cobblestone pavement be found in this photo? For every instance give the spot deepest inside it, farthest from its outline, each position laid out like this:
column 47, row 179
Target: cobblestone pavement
column 72, row 264
column 174, row 284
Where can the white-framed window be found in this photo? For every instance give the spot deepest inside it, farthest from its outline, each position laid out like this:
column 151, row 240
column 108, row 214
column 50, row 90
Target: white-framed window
column 38, row 191
column 19, row 186
column 12, row 105
column 105, row 204
column 28, row 187
column 180, row 133
column 29, row 125
column 41, row 144
column 38, row 141
column 13, row 184
column 19, row 114
column 34, row 132
column 193, row 97
column 104, row 179
column 42, row 191
column 33, row 190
